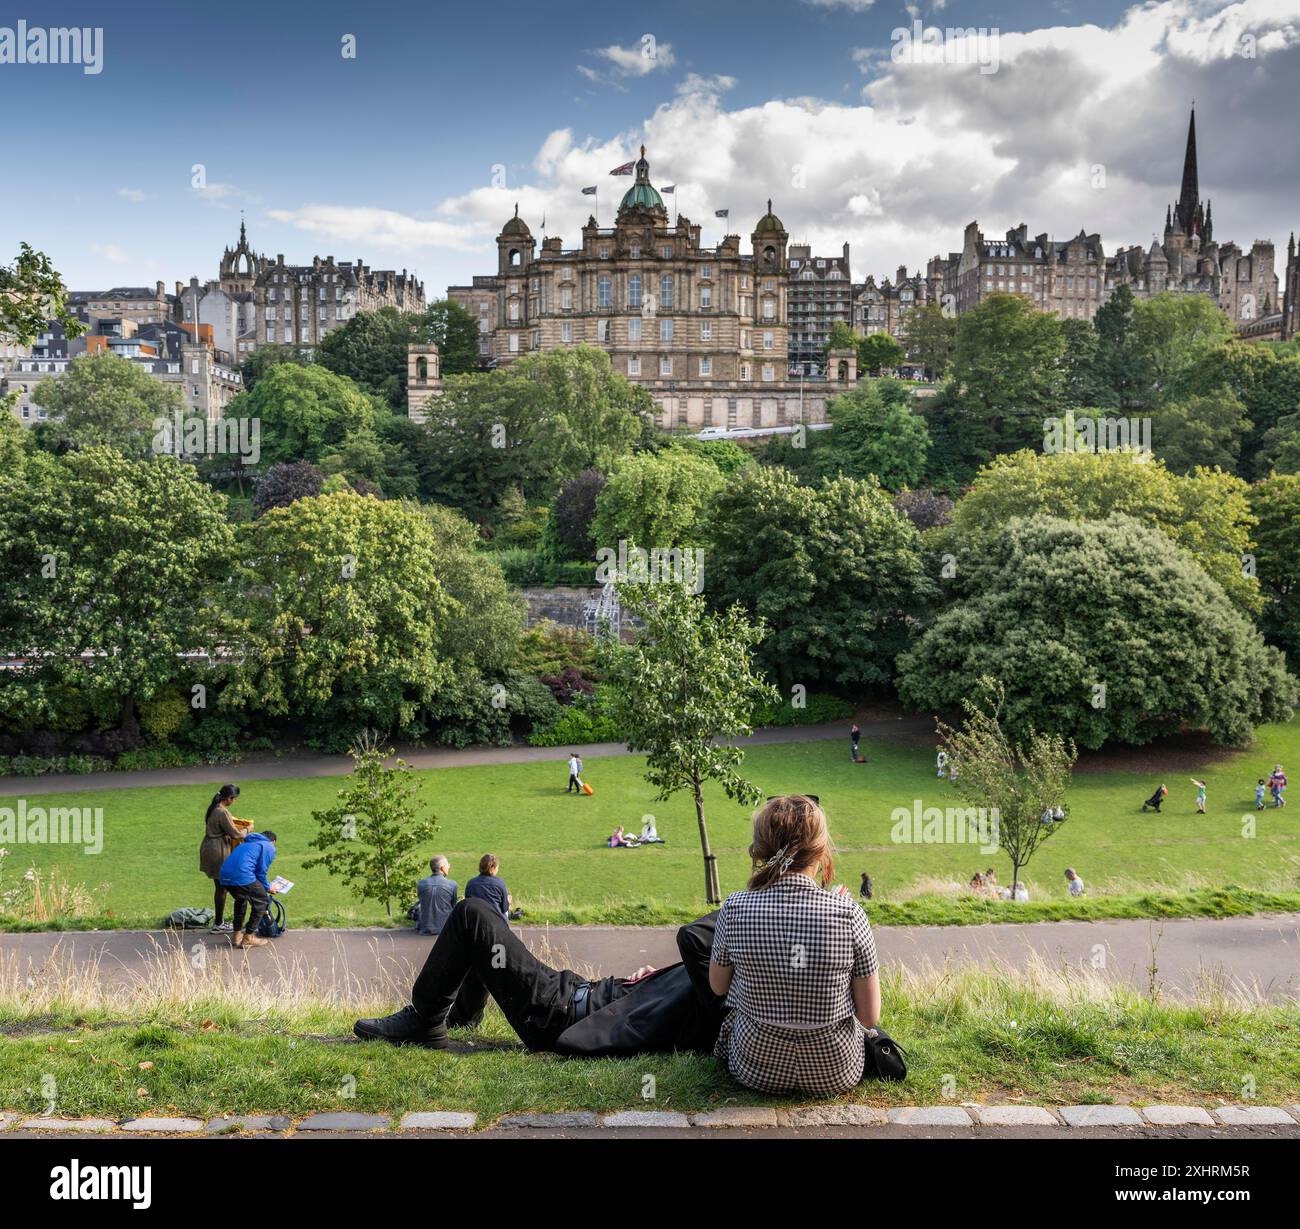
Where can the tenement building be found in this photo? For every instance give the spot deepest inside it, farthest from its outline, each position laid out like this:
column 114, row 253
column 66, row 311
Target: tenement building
column 256, row 301
column 819, row 294
column 884, row 308
column 704, row 329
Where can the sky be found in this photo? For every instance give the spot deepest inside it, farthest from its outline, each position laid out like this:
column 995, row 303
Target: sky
column 413, row 151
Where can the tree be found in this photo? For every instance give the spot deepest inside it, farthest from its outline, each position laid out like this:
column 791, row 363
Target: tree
column 1015, row 782
column 269, row 355
column 31, row 294
column 108, row 579
column 1007, row 374
column 655, row 500
column 1102, row 631
column 1276, row 502
column 874, row 436
column 569, row 526
column 879, row 352
column 930, row 338
column 303, row 411
column 832, row 570
column 374, row 836
column 1205, row 512
column 1171, row 332
column 1084, row 382
column 841, row 337
column 924, row 508
column 284, row 482
column 452, row 329
column 1202, row 430
column 1120, row 368
column 106, row 399
column 371, row 349
column 347, row 613
column 681, row 693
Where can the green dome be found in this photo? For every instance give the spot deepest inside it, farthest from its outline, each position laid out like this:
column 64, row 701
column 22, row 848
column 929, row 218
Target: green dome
column 769, row 221
column 642, row 192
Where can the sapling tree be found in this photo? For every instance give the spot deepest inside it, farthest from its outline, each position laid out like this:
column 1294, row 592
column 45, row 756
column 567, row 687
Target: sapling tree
column 371, row 836
column 682, row 692
column 1019, row 783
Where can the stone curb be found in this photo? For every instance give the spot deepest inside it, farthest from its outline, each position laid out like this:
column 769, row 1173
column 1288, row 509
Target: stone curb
column 751, row 1117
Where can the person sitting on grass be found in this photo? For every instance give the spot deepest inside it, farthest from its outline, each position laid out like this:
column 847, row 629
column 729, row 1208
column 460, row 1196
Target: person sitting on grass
column 558, row 1011
column 797, row 963
column 437, row 896
column 243, row 875
column 488, row 886
column 1076, row 887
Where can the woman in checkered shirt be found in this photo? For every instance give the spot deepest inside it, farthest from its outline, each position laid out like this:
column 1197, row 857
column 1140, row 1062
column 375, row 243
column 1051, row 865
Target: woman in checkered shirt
column 797, row 963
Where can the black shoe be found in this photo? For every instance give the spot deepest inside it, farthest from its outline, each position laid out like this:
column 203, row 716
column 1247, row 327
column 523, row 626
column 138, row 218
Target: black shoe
column 405, row 1027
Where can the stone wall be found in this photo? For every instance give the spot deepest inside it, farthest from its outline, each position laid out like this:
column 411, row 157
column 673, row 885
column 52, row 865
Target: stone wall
column 561, row 604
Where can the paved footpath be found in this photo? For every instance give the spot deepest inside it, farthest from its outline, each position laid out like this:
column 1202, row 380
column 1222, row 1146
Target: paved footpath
column 297, row 766
column 1259, row 953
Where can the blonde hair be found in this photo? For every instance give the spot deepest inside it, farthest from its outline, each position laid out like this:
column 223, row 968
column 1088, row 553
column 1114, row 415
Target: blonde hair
column 790, row 835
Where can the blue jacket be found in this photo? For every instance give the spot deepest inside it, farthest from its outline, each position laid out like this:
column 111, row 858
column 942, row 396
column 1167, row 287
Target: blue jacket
column 248, row 862
column 437, row 895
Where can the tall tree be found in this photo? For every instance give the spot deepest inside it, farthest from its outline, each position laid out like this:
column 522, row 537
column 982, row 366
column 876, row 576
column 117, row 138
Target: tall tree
column 1119, row 363
column 878, row 352
column 1171, row 332
column 31, row 294
column 930, row 338
column 371, row 349
column 453, row 330
column 1276, row 502
column 656, row 500
column 874, row 436
column 681, row 693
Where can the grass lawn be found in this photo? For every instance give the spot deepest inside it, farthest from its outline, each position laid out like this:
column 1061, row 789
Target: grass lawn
column 178, row 1045
column 555, row 862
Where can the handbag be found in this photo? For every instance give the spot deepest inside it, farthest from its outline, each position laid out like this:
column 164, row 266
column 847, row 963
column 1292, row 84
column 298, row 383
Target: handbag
column 886, row 1059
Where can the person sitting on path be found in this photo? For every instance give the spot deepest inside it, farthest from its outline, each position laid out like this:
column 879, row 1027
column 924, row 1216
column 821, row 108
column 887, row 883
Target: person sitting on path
column 437, row 895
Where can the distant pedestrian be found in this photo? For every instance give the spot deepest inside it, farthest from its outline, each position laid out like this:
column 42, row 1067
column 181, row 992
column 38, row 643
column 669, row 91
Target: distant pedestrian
column 854, row 735
column 865, row 890
column 1259, row 794
column 1153, row 803
column 1277, row 786
column 941, row 764
column 1075, row 883
column 575, row 771
column 1200, row 795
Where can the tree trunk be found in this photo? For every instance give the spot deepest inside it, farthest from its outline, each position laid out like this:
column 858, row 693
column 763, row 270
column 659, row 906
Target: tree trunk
column 711, row 891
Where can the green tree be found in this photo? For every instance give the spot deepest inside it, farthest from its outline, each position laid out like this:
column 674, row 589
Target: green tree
column 304, row 412
column 833, row 570
column 871, row 435
column 374, row 836
column 1008, row 376
column 573, row 512
column 681, row 693
column 930, row 338
column 878, row 352
column 841, row 337
column 1171, row 332
column 108, row 579
column 1102, row 631
column 272, row 354
column 106, row 399
column 31, row 294
column 1084, row 383
column 1276, row 503
column 1206, row 512
column 1120, row 367
column 1016, row 782
column 656, row 500
column 371, row 348
column 349, row 618
column 453, row 330
column 1200, row 430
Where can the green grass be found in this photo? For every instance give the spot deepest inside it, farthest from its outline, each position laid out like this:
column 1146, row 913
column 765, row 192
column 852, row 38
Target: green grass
column 555, row 862
column 1033, row 1035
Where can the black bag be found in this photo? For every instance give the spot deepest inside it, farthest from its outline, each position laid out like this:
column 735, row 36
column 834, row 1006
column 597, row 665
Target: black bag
column 273, row 923
column 885, row 1057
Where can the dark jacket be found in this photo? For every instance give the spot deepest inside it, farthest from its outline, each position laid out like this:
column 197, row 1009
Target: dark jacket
column 249, row 862
column 673, row 1009
column 437, row 895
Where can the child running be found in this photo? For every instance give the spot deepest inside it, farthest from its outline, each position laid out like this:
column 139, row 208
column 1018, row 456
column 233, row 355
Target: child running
column 1200, row 795
column 1259, row 794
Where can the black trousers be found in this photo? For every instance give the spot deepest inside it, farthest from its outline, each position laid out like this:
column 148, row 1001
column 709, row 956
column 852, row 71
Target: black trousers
column 477, row 954
column 574, row 786
column 252, row 897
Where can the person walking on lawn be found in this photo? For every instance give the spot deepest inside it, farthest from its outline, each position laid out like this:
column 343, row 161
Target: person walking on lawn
column 855, row 734
column 575, row 771
column 243, row 874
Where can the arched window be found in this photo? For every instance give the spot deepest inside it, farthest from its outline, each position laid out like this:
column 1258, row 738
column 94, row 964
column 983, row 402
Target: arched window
column 769, row 254
column 514, row 257
column 422, row 369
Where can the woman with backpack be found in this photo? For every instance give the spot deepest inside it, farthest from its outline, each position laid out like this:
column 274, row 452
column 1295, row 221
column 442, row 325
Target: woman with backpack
column 220, row 836
column 796, row 962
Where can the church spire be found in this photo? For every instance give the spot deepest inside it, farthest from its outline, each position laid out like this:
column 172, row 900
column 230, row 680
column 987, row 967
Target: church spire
column 1189, row 195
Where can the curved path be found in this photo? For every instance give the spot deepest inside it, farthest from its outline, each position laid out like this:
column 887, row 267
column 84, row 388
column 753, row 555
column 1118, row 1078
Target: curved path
column 1258, row 955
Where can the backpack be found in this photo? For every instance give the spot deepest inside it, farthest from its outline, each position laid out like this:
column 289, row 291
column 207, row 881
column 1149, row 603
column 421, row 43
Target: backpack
column 188, row 919
column 273, row 923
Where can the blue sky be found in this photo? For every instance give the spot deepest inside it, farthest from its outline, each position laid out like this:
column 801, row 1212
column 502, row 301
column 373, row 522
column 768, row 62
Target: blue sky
column 390, row 156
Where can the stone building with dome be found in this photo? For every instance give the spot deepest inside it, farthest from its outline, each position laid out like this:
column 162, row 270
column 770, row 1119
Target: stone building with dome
column 703, row 329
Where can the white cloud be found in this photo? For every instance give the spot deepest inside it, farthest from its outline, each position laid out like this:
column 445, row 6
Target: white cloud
column 112, row 253
column 643, row 57
column 132, row 194
column 383, row 228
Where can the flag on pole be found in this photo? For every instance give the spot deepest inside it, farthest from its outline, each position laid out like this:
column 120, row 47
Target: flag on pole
column 722, row 213
column 626, row 169
column 669, row 190
column 589, row 191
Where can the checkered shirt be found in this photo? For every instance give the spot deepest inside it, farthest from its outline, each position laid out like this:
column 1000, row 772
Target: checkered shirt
column 795, row 949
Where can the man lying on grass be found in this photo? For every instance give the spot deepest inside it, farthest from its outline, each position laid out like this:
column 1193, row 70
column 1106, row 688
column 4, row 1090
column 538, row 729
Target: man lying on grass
column 781, row 984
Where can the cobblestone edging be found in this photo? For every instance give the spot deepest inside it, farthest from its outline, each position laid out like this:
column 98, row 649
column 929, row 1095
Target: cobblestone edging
column 742, row 1116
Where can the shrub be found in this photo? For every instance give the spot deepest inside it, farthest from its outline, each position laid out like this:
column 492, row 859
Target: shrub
column 164, row 715
column 584, row 721
column 819, row 708
column 216, row 740
column 154, row 757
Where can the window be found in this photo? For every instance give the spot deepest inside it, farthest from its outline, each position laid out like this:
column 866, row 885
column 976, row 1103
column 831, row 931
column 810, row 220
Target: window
column 194, row 366
column 634, row 291
column 769, row 309
column 602, row 292
column 514, row 343
column 744, row 371
column 665, row 366
column 270, row 313
column 270, row 295
column 704, row 273
column 634, row 365
column 604, row 251
column 566, row 298
column 514, row 309
column 768, row 341
column 706, row 330
column 566, row 332
column 666, row 251
column 537, row 340
column 666, row 329
column 602, row 331
column 706, row 296
column 321, row 293
column 634, row 328
column 340, row 314
column 768, row 372
column 666, row 291
column 744, row 339
column 706, row 366
column 635, row 251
